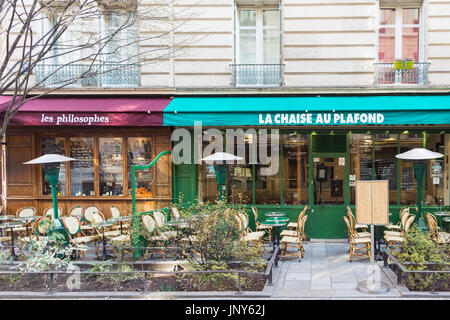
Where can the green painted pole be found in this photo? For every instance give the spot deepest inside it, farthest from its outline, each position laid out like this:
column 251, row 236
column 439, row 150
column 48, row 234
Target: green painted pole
column 135, row 221
column 419, row 171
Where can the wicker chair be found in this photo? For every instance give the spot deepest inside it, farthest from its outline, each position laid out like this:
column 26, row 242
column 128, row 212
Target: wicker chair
column 403, row 214
column 357, row 226
column 359, row 246
column 261, row 227
column 153, row 234
column 48, row 212
column 20, row 213
column 439, row 237
column 72, row 225
column 398, row 238
column 247, row 234
column 294, row 241
column 293, row 226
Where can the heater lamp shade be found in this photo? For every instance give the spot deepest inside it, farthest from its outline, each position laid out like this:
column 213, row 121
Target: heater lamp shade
column 221, row 156
column 419, row 154
column 49, row 158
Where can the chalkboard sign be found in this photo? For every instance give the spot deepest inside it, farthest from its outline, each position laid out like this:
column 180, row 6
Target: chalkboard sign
column 407, row 179
column 53, row 146
column 387, row 170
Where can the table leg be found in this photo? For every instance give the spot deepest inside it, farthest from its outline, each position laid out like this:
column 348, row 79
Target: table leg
column 13, row 253
column 121, row 230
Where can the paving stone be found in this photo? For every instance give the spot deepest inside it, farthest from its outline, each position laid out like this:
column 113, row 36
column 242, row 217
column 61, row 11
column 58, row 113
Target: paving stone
column 298, row 276
column 297, row 284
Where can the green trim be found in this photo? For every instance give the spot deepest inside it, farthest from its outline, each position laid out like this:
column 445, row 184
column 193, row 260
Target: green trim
column 399, row 172
column 281, row 168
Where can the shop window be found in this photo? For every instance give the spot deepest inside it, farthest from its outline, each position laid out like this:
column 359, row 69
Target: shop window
column 54, row 146
column 208, row 189
column 436, row 171
column 82, row 170
column 385, row 162
column 110, row 166
column 361, row 166
column 140, row 154
column 267, row 176
column 408, row 188
column 295, row 168
column 240, row 175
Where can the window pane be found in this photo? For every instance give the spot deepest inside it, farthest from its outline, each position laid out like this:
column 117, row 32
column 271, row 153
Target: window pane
column 387, row 16
column 410, row 16
column 54, row 146
column 82, row 170
column 247, row 46
column 386, row 51
column 271, row 18
column 361, row 146
column 295, row 169
column 410, row 43
column 111, row 172
column 267, row 178
column 139, row 154
column 240, row 176
column 271, row 46
column 435, row 173
column 247, row 18
column 208, row 189
column 386, row 163
column 408, row 192
column 329, row 176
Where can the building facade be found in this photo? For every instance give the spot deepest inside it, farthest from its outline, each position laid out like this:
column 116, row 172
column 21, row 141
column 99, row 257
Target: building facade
column 349, row 84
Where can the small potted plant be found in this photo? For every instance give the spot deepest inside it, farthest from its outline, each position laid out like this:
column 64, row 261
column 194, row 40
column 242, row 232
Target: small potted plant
column 409, row 63
column 398, row 64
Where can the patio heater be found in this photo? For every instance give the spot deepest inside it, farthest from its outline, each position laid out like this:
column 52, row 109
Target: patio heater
column 51, row 164
column 420, row 157
column 220, row 168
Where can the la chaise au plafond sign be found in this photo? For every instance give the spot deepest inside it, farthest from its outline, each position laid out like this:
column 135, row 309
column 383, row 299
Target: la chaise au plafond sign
column 320, row 118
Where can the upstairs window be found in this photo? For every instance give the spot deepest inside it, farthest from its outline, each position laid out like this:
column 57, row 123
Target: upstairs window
column 259, row 36
column 399, row 34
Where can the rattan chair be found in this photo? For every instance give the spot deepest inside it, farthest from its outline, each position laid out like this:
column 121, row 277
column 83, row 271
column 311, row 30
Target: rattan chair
column 392, row 239
column 294, row 241
column 153, row 235
column 359, row 246
column 439, row 237
column 357, row 226
column 261, row 227
column 76, row 237
column 48, row 212
column 247, row 235
column 20, row 213
column 403, row 214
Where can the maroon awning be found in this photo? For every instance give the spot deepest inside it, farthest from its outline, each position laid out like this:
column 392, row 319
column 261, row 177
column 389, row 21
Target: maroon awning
column 86, row 111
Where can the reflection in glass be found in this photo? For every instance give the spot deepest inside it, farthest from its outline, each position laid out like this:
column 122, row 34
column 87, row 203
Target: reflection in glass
column 435, row 174
column 410, row 15
column 410, row 43
column 110, row 169
column 386, row 51
column 271, row 40
column 361, row 146
column 240, row 176
column 408, row 189
column 267, row 176
column 386, row 163
column 387, row 16
column 247, row 18
column 140, row 154
column 54, row 146
column 247, row 46
column 82, row 170
column 329, row 177
column 295, row 169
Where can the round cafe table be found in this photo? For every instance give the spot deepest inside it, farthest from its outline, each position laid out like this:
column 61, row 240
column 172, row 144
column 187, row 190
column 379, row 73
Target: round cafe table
column 12, row 225
column 103, row 225
column 275, row 214
column 120, row 219
column 276, row 223
column 5, row 218
column 27, row 221
column 441, row 214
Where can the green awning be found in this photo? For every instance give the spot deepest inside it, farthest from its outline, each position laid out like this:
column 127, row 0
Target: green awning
column 298, row 111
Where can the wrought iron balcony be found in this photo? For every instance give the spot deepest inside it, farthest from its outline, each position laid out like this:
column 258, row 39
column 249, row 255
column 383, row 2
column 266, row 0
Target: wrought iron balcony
column 84, row 75
column 385, row 74
column 257, row 74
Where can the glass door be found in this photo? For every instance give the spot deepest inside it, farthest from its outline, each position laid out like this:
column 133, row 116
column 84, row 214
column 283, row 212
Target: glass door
column 328, row 187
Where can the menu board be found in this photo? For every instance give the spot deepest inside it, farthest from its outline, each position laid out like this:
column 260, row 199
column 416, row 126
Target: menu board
column 387, row 170
column 82, row 170
column 110, row 151
column 407, row 179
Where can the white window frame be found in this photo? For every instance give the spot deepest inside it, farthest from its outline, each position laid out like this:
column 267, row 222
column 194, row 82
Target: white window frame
column 398, row 27
column 259, row 32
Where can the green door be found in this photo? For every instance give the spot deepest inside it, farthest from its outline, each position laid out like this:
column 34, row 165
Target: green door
column 328, row 186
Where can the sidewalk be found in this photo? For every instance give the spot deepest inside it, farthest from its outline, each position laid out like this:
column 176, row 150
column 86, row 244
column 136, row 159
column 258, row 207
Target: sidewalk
column 325, row 272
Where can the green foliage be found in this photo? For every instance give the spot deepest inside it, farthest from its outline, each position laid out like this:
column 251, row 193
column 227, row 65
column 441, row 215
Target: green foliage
column 418, row 250
column 216, row 246
column 166, row 288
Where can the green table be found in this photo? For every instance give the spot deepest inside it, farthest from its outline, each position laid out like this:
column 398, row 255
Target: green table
column 276, row 223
